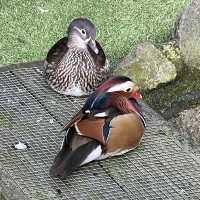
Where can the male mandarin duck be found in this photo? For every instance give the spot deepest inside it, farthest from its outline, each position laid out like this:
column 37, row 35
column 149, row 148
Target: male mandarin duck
column 109, row 124
column 76, row 64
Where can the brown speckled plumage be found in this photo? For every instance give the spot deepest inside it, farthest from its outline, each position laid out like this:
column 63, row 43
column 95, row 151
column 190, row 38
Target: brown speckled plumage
column 74, row 70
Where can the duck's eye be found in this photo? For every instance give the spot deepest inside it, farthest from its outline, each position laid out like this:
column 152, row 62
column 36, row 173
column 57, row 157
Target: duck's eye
column 83, row 31
column 128, row 89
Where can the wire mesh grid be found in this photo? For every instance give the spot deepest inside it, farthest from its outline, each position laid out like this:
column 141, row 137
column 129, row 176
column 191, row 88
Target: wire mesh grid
column 32, row 113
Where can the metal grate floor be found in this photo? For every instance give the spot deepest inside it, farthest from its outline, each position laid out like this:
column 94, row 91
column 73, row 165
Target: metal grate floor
column 31, row 112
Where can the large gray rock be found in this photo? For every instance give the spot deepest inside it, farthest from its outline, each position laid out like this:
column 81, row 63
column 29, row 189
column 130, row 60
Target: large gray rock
column 188, row 123
column 147, row 66
column 188, row 32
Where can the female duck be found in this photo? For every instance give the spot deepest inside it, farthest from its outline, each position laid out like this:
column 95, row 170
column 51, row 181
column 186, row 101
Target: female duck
column 76, row 64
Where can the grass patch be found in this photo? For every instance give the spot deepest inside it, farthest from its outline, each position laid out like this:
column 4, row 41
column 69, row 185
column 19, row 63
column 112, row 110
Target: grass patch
column 30, row 28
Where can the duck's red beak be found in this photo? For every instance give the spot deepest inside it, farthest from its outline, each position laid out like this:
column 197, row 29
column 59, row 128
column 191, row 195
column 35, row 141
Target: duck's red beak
column 136, row 95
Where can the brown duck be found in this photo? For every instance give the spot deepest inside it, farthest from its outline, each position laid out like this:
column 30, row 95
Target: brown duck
column 76, row 64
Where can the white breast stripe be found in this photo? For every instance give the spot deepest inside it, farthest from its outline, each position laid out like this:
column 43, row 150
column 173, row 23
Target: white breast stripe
column 102, row 114
column 94, row 155
column 77, row 129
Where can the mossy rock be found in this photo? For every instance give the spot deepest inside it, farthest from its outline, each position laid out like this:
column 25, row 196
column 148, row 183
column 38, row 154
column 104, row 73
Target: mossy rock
column 188, row 34
column 172, row 52
column 147, row 66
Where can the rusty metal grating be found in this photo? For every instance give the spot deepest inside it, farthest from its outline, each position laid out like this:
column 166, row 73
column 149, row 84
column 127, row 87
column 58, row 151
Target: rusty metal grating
column 31, row 112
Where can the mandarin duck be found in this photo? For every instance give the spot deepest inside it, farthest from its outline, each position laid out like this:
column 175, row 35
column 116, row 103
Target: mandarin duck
column 76, row 64
column 109, row 124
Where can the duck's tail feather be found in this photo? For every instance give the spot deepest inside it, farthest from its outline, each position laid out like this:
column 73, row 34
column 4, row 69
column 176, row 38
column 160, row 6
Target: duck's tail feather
column 68, row 160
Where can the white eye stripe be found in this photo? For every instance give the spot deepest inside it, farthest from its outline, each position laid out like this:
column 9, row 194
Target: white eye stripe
column 82, row 31
column 75, row 27
column 122, row 87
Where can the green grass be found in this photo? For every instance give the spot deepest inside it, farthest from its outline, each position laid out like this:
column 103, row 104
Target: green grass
column 27, row 33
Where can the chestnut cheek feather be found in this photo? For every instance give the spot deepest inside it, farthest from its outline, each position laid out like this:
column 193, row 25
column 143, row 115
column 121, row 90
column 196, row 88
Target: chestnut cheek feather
column 136, row 95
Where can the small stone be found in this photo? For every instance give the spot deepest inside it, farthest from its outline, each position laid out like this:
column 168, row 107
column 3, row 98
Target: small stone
column 20, row 146
column 147, row 66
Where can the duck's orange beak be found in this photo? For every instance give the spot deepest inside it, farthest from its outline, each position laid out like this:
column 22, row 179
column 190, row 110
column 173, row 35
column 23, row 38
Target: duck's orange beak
column 136, row 95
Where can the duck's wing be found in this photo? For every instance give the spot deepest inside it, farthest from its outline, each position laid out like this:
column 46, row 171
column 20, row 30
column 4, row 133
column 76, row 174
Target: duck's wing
column 94, row 125
column 97, row 135
column 92, row 106
column 57, row 52
column 81, row 114
column 82, row 144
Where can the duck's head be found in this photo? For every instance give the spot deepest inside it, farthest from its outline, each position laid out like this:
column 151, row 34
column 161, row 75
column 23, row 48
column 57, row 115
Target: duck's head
column 120, row 84
column 82, row 33
column 117, row 85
